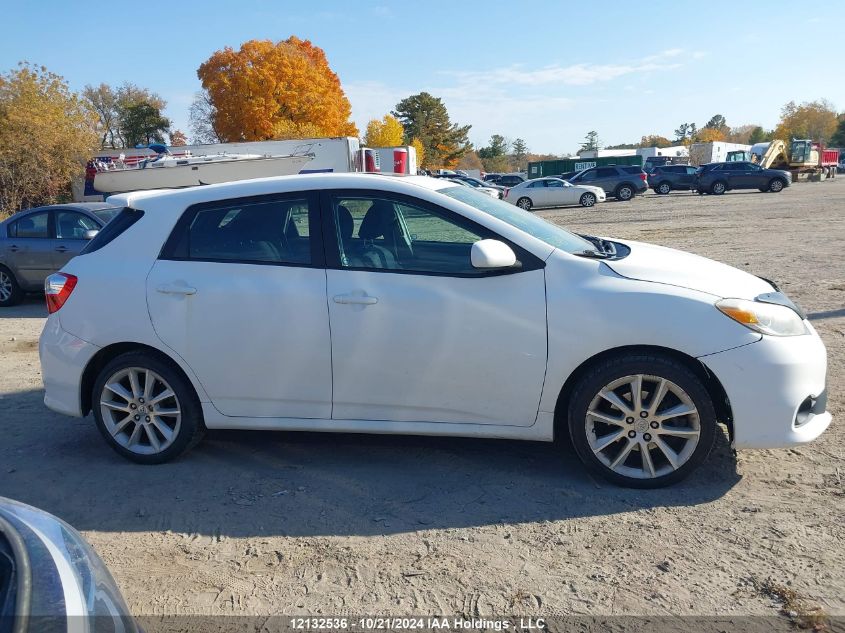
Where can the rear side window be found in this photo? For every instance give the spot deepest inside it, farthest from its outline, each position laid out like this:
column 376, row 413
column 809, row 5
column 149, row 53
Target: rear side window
column 265, row 231
column 32, row 225
column 126, row 218
column 606, row 172
column 632, row 170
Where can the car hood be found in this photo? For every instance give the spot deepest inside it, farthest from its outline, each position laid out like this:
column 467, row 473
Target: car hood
column 648, row 262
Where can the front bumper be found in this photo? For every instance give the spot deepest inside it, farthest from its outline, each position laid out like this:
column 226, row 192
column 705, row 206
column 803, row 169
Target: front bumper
column 776, row 389
column 63, row 361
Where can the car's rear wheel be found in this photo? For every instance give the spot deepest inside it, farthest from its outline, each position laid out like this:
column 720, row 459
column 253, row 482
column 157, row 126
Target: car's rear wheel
column 719, row 187
column 588, row 199
column 664, row 188
column 524, row 204
column 625, row 192
column 642, row 421
column 10, row 292
column 776, row 186
column 147, row 411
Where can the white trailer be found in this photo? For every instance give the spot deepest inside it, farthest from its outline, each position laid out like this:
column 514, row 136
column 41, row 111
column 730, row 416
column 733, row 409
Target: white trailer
column 715, row 152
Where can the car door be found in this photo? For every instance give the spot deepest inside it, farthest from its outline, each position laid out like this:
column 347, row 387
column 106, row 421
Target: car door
column 756, row 176
column 418, row 334
column 558, row 194
column 538, row 191
column 239, row 293
column 687, row 176
column 29, row 248
column 740, row 177
column 71, row 228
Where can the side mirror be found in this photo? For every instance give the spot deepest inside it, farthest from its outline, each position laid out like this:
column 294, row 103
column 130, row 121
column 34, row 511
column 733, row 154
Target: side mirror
column 90, row 234
column 492, row 254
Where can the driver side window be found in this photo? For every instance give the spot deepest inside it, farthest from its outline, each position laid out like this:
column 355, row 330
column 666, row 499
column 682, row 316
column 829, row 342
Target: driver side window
column 382, row 234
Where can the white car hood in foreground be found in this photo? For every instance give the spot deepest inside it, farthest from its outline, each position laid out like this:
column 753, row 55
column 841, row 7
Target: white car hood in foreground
column 648, row 262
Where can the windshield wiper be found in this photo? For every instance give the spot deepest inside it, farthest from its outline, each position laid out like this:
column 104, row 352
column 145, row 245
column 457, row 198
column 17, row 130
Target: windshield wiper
column 593, row 254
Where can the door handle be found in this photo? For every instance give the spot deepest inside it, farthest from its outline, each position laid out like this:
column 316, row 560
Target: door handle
column 61, row 249
column 363, row 300
column 174, row 289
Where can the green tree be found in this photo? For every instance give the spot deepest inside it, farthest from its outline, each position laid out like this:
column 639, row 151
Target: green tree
column 111, row 105
column 519, row 152
column 143, row 124
column 686, row 133
column 424, row 116
column 838, row 138
column 717, row 122
column 759, row 135
column 591, row 141
column 499, row 146
column 47, row 133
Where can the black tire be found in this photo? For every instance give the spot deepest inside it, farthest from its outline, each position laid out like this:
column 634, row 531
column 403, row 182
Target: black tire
column 624, row 192
column 719, row 187
column 191, row 426
column 663, row 188
column 603, row 374
column 763, row 190
column 525, row 204
column 9, row 288
column 588, row 199
column 776, row 185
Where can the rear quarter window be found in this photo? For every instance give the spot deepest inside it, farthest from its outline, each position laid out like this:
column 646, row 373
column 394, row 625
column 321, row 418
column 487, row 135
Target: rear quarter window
column 122, row 221
column 632, row 170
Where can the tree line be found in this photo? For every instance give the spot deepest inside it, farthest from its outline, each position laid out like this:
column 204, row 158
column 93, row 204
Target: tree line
column 277, row 90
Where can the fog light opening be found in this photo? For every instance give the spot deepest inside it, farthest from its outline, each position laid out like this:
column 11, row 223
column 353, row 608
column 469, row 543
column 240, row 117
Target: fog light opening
column 805, row 412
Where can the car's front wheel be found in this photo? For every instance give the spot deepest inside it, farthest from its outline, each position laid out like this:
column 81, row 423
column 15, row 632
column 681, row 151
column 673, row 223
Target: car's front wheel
column 10, row 292
column 641, row 420
column 588, row 199
column 776, row 186
column 524, row 204
column 147, row 411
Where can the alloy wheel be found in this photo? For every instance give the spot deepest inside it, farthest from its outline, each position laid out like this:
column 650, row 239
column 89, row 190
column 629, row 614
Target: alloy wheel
column 626, row 193
column 776, row 186
column 524, row 204
column 588, row 200
column 5, row 286
column 140, row 410
column 642, row 426
column 664, row 188
column 719, row 187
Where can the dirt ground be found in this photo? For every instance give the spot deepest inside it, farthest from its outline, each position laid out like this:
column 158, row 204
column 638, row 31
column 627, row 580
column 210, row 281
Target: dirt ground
column 262, row 523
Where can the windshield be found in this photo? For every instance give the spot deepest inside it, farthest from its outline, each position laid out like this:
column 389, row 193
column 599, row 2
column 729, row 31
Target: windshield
column 549, row 233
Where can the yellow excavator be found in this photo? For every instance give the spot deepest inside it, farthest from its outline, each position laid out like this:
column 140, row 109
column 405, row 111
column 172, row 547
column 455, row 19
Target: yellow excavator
column 802, row 157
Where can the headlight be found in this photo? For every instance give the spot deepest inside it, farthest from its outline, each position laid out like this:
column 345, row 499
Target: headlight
column 766, row 318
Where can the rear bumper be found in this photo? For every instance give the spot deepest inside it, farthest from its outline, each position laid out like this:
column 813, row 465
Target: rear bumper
column 776, row 388
column 63, row 360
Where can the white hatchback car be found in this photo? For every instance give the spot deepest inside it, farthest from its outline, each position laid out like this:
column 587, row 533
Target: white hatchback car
column 553, row 192
column 366, row 303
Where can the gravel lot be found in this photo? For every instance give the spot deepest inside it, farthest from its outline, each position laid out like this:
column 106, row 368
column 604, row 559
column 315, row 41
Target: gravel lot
column 264, row 523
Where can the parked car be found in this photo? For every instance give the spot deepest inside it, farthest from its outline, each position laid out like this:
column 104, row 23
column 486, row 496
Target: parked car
column 509, row 180
column 552, row 192
column 622, row 182
column 668, row 178
column 567, row 175
column 488, row 188
column 717, row 178
column 51, row 579
column 359, row 303
column 37, row 242
column 491, row 177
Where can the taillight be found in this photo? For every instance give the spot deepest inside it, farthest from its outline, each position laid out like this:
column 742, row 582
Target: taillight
column 505, row 192
column 643, row 176
column 57, row 289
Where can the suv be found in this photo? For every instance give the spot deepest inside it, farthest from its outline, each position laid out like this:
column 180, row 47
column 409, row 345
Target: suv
column 622, row 182
column 668, row 178
column 509, row 180
column 717, row 178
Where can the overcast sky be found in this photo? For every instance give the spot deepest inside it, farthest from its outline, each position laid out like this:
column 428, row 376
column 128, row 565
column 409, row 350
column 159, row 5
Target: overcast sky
column 545, row 71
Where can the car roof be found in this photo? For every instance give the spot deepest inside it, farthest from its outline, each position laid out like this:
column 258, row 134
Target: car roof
column 281, row 184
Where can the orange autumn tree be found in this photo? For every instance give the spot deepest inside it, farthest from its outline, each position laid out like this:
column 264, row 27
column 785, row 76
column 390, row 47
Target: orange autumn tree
column 279, row 90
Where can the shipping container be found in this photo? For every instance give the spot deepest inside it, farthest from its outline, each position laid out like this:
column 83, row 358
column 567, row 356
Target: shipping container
column 544, row 168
